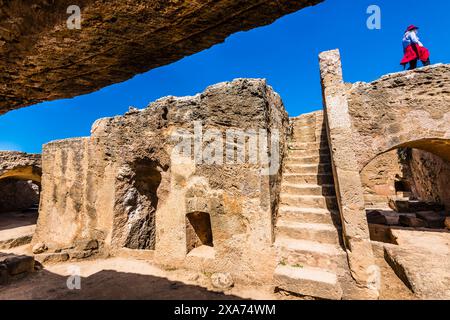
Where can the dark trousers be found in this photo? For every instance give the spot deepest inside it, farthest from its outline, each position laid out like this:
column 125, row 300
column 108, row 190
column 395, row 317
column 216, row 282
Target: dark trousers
column 413, row 64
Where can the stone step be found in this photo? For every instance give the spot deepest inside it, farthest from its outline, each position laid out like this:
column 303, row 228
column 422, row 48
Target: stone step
column 307, row 168
column 308, row 215
column 309, row 253
column 311, row 159
column 325, row 202
column 300, row 130
column 307, row 121
column 309, row 153
column 304, row 121
column 317, row 131
column 318, row 126
column 406, row 205
column 319, row 232
column 308, row 189
column 376, row 200
column 308, row 281
column 305, row 138
column 320, row 179
column 321, row 146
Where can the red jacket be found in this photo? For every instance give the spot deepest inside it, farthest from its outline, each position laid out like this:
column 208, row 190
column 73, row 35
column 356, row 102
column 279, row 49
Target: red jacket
column 415, row 52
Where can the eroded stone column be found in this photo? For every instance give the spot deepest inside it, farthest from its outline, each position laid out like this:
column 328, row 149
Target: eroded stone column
column 349, row 188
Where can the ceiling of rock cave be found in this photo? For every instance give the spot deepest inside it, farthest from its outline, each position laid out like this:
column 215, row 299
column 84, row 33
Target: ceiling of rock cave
column 41, row 59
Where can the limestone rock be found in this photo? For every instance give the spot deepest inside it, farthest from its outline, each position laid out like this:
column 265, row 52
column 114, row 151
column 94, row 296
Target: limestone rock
column 4, row 276
column 39, row 248
column 51, row 257
column 447, row 223
column 16, row 265
column 123, row 187
column 87, row 245
column 222, row 281
column 20, row 165
column 434, row 220
column 413, row 222
column 41, row 58
column 376, row 217
column 426, row 273
column 20, row 175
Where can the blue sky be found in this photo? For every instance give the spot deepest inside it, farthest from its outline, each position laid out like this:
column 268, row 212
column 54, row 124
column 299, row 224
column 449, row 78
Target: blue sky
column 285, row 53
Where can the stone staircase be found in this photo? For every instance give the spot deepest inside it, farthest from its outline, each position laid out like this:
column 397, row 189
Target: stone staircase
column 307, row 231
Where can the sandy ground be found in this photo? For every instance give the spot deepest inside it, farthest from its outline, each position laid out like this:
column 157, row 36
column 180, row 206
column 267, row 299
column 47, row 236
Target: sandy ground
column 392, row 288
column 121, row 278
column 16, row 225
column 13, row 220
column 130, row 278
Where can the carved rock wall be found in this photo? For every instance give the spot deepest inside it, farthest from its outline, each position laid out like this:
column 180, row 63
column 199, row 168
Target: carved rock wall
column 125, row 187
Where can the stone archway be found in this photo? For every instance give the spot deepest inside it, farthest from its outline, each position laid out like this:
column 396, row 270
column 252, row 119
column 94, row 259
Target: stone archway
column 407, row 187
column 20, row 185
column 389, row 171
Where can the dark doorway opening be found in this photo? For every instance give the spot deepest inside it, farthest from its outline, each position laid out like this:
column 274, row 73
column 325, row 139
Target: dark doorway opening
column 142, row 204
column 199, row 237
column 19, row 209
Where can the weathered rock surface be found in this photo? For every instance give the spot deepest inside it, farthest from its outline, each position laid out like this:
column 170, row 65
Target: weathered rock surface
column 222, row 281
column 20, row 165
column 386, row 115
column 379, row 177
column 16, row 169
column 376, row 217
column 426, row 273
column 12, row 266
column 430, row 177
column 39, row 248
column 130, row 186
column 413, row 222
column 41, row 59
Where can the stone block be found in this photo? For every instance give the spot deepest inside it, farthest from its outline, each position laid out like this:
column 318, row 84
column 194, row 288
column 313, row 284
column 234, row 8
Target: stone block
column 412, row 222
column 18, row 264
column 51, row 257
column 434, row 220
column 222, row 281
column 376, row 217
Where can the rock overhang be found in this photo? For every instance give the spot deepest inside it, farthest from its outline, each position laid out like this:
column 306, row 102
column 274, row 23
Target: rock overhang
column 42, row 60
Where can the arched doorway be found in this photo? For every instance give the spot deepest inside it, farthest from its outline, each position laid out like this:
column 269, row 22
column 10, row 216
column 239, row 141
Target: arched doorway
column 19, row 208
column 407, row 187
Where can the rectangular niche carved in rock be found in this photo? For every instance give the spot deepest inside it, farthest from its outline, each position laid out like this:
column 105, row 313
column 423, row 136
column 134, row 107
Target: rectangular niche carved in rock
column 141, row 203
column 199, row 237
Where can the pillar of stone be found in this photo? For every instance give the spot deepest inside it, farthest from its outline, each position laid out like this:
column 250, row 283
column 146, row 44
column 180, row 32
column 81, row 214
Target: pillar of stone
column 349, row 188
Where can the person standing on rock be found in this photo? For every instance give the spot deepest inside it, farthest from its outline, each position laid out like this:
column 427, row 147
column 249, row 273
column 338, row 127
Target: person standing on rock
column 413, row 49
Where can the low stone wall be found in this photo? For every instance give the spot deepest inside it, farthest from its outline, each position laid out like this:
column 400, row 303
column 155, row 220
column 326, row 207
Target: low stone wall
column 405, row 109
column 139, row 183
